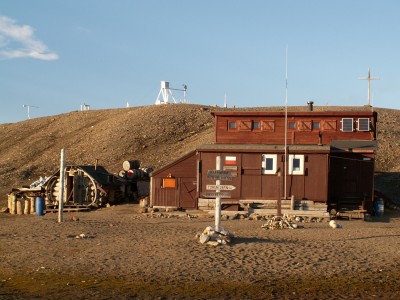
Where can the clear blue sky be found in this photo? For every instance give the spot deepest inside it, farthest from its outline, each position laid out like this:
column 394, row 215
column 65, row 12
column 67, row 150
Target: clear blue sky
column 57, row 55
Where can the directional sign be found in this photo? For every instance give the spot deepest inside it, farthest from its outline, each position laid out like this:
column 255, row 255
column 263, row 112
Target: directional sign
column 217, row 195
column 215, row 187
column 219, row 174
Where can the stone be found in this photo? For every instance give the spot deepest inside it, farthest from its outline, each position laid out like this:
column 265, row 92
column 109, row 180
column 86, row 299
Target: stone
column 204, row 238
column 213, row 243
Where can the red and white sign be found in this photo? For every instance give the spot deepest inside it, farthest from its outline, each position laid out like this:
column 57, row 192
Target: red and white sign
column 230, row 160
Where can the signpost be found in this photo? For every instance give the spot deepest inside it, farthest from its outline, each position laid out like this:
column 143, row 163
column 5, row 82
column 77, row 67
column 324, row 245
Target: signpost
column 216, row 175
column 220, row 190
column 61, row 192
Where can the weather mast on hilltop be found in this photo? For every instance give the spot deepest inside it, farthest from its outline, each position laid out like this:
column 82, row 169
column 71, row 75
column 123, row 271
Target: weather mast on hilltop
column 165, row 92
column 369, row 84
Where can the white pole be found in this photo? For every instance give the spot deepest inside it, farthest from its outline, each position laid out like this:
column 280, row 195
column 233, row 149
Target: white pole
column 61, row 192
column 286, row 103
column 218, row 199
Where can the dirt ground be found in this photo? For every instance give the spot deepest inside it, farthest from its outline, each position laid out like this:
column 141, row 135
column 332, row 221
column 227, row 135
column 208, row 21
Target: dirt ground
column 128, row 255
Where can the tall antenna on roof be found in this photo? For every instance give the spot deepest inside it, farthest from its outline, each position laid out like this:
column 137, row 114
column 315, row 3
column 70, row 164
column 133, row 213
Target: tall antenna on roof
column 286, row 103
column 225, row 104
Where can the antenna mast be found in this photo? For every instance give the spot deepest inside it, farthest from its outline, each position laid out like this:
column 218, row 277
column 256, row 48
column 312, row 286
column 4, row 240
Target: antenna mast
column 369, row 84
column 166, row 91
column 286, row 103
column 28, row 107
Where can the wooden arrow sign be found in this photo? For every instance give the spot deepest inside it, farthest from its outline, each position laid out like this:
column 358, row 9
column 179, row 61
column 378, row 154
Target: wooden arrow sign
column 217, row 195
column 214, row 187
column 219, row 174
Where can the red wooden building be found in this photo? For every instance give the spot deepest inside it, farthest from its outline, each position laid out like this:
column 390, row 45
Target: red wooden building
column 329, row 160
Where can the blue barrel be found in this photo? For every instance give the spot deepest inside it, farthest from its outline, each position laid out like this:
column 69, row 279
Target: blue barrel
column 379, row 207
column 39, row 206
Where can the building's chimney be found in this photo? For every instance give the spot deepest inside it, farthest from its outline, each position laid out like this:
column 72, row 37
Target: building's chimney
column 310, row 105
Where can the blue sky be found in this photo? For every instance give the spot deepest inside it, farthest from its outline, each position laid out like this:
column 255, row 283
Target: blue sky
column 57, row 55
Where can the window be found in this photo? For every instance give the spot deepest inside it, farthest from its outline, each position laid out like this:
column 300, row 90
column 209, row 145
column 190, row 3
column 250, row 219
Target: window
column 363, row 124
column 269, row 163
column 256, row 125
column 232, row 125
column 316, row 125
column 292, row 125
column 347, row 125
column 296, row 164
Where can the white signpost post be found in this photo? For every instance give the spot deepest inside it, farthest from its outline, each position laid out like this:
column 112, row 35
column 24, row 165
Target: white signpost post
column 221, row 191
column 61, row 192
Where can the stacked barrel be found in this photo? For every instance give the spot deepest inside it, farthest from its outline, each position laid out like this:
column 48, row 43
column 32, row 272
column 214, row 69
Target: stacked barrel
column 133, row 171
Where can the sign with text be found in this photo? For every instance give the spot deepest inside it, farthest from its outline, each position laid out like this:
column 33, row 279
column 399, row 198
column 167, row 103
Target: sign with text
column 219, row 175
column 215, row 187
column 217, row 195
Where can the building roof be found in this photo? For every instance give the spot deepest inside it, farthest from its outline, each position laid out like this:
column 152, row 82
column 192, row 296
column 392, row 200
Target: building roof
column 173, row 163
column 295, row 113
column 354, row 145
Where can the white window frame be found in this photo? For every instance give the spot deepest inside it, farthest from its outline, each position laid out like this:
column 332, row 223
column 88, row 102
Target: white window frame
column 358, row 124
column 300, row 171
column 274, row 158
column 352, row 124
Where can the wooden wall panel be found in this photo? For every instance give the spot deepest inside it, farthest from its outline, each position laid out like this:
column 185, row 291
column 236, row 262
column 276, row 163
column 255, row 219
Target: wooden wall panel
column 273, row 130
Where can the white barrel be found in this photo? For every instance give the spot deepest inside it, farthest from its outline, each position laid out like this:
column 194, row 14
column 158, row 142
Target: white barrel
column 27, row 207
column 13, row 205
column 131, row 165
column 19, row 207
column 32, row 204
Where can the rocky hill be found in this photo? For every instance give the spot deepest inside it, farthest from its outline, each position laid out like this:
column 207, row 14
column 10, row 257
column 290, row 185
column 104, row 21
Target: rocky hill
column 155, row 135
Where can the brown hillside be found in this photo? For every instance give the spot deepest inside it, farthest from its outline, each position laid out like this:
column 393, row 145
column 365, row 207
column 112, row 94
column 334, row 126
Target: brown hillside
column 155, row 135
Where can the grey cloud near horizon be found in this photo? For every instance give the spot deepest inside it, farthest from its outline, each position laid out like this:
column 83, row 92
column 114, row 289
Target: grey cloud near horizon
column 25, row 44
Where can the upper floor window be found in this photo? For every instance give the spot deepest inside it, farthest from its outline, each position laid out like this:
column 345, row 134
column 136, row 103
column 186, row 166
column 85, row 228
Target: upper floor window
column 232, row 125
column 256, row 125
column 363, row 124
column 347, row 125
column 316, row 125
column 292, row 125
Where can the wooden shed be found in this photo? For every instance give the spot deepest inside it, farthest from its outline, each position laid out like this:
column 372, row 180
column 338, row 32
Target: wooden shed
column 327, row 158
column 175, row 185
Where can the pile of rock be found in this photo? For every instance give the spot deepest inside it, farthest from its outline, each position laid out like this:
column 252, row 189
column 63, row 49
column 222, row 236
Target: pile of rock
column 284, row 222
column 212, row 237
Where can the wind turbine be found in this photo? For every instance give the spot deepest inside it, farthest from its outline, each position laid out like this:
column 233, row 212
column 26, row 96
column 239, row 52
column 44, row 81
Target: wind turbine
column 29, row 107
